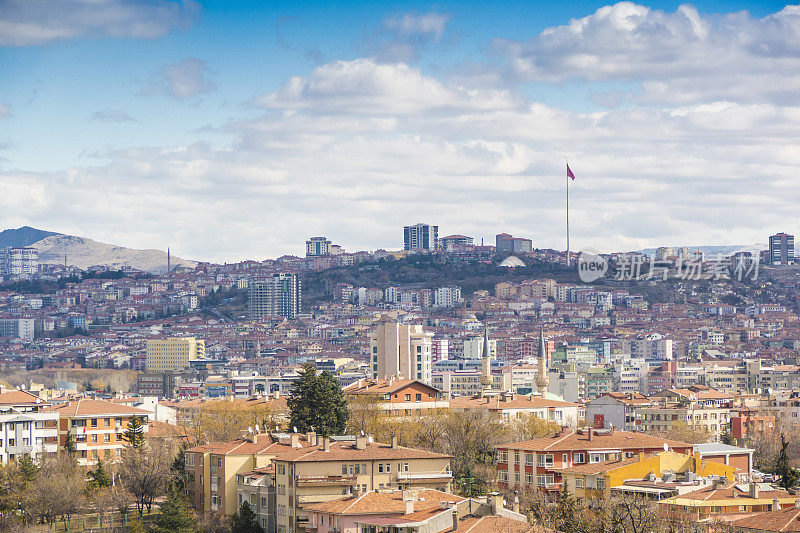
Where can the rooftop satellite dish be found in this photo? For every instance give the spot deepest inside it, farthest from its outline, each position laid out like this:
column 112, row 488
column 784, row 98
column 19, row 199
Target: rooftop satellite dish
column 362, row 432
column 250, row 430
column 256, row 428
column 666, row 447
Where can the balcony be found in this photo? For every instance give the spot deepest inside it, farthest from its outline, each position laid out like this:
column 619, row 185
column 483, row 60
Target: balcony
column 316, row 481
column 421, row 476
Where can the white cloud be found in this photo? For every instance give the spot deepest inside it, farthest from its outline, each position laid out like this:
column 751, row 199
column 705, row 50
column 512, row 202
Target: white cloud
column 427, row 24
column 182, row 80
column 364, row 86
column 36, row 22
column 111, row 115
column 4, row 111
column 680, row 57
column 356, row 150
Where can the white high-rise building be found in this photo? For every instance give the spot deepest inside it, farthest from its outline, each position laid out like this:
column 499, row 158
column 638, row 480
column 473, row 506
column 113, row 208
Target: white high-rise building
column 317, row 247
column 401, row 351
column 22, row 262
column 447, row 297
column 275, row 297
column 421, row 237
column 17, row 328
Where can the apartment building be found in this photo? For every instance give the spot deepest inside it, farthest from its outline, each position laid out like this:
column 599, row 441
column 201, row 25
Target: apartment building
column 278, row 296
column 96, row 427
column 401, row 351
column 173, row 354
column 538, row 463
column 18, row 328
column 399, row 397
column 335, row 468
column 318, row 247
column 214, row 469
column 19, row 262
column 511, row 406
column 421, row 237
column 257, row 488
column 25, row 426
column 616, row 409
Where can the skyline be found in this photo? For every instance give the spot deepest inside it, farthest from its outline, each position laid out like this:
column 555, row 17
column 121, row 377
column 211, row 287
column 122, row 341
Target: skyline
column 148, row 124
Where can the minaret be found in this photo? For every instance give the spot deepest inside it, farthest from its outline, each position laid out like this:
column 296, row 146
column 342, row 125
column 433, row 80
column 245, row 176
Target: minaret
column 486, row 374
column 168, row 260
column 542, row 379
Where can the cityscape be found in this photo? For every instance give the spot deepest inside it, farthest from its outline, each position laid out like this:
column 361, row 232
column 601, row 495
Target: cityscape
column 340, row 295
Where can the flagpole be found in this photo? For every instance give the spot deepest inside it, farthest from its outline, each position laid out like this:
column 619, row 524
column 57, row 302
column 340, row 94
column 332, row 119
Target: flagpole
column 567, row 218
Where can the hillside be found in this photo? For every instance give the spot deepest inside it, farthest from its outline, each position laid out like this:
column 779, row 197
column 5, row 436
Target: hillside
column 24, row 236
column 83, row 253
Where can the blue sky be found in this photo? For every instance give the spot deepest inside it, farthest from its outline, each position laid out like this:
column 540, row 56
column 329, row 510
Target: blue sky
column 234, row 130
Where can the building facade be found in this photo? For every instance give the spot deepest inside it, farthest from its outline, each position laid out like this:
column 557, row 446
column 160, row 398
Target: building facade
column 318, row 247
column 280, row 296
column 172, row 354
column 401, row 351
column 421, row 237
column 781, row 249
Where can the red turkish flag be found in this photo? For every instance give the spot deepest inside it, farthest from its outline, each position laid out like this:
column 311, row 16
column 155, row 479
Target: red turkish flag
column 569, row 173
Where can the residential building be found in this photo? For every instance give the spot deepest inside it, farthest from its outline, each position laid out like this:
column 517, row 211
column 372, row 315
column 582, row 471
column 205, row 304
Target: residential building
column 445, row 297
column 173, row 353
column 781, row 249
column 538, row 463
column 512, row 406
column 318, row 247
column 658, row 475
column 731, row 498
column 400, row 397
column 401, row 351
column 617, row 409
column 25, row 426
column 96, row 428
column 279, row 296
column 421, row 237
column 18, row 328
column 257, row 488
column 19, row 262
column 336, row 468
column 452, row 242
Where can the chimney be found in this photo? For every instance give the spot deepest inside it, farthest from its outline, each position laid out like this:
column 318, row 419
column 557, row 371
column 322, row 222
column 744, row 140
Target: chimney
column 409, row 497
column 356, row 490
column 311, row 437
column 455, row 518
column 776, row 506
column 753, row 490
column 326, row 444
column 320, row 438
column 394, row 442
column 591, row 433
column 361, row 442
column 294, row 440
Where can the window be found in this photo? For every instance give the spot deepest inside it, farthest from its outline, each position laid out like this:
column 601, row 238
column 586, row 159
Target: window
column 419, row 397
column 502, row 456
column 529, row 478
column 344, row 470
column 516, row 457
column 565, row 458
column 503, row 476
column 516, row 477
column 541, row 480
column 601, row 483
column 281, row 468
column 544, row 460
column 528, row 459
column 380, row 468
column 408, row 397
column 578, row 482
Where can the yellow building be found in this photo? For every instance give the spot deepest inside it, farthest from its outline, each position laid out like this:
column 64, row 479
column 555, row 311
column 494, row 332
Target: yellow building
column 592, row 481
column 170, row 354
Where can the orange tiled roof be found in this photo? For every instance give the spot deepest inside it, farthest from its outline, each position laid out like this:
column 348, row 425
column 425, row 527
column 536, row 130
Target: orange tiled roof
column 603, row 440
column 783, row 520
column 385, row 503
column 494, row 403
column 86, row 407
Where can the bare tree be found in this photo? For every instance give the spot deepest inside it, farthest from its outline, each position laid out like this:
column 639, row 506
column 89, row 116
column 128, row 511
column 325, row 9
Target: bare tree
column 57, row 491
column 145, row 473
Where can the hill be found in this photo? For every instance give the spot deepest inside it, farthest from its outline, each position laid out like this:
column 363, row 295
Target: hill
column 24, row 236
column 83, row 253
column 714, row 251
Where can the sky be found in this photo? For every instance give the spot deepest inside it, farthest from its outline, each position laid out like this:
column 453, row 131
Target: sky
column 236, row 130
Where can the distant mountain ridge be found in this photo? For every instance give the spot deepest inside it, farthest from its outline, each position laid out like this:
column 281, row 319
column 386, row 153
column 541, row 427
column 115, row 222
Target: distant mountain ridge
column 24, row 236
column 84, row 253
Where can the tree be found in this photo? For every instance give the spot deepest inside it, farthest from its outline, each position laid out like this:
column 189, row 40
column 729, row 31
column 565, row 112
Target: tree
column 134, row 435
column 788, row 474
column 566, row 513
column 245, row 520
column 317, row 402
column 145, row 473
column 99, row 478
column 174, row 516
column 57, row 492
column 27, row 468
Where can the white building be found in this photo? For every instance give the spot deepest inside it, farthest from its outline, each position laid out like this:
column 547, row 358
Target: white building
column 24, row 428
column 447, row 297
column 20, row 262
column 17, row 328
column 403, row 351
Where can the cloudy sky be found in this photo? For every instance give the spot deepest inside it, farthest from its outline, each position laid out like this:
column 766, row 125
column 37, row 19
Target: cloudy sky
column 233, row 130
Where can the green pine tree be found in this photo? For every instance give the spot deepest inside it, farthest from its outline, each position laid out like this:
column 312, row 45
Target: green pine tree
column 134, row 435
column 69, row 445
column 245, row 521
column 99, row 478
column 27, row 468
column 317, row 402
column 566, row 517
column 788, row 474
column 174, row 516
